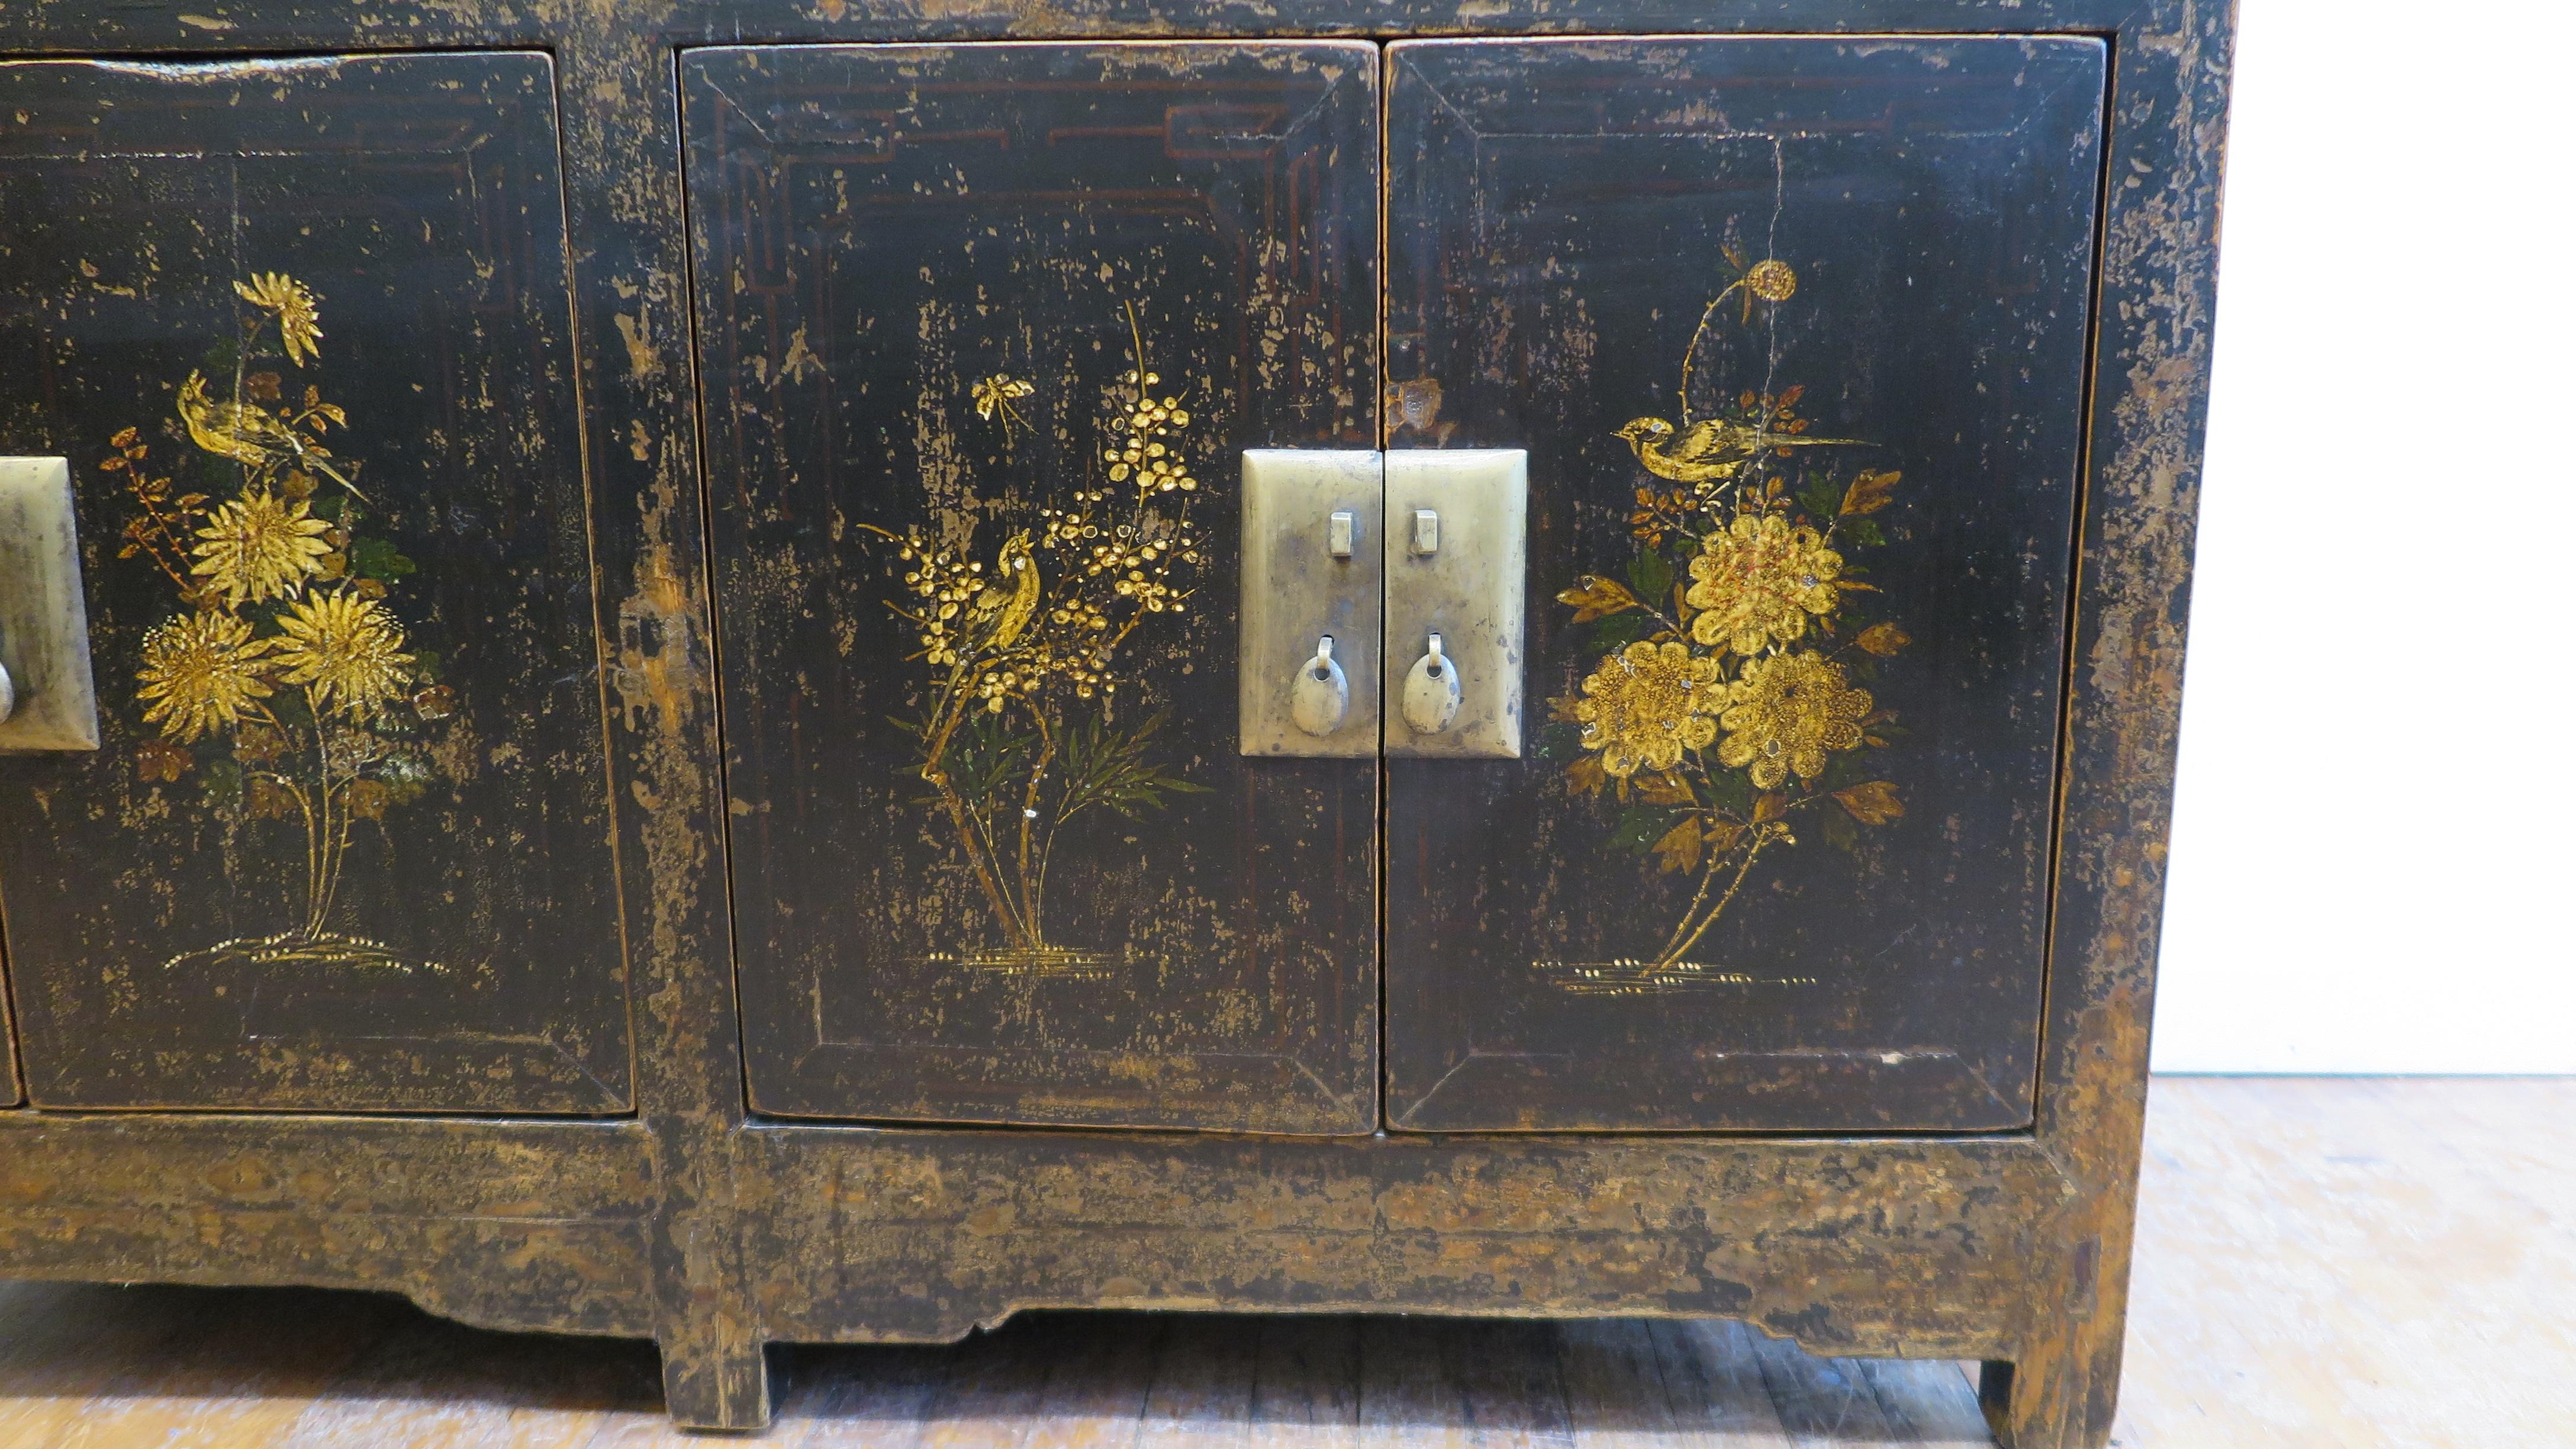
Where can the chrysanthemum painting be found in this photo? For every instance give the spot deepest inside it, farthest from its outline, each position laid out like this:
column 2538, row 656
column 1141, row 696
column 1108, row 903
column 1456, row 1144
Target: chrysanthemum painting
column 259, row 547
column 284, row 680
column 1729, row 709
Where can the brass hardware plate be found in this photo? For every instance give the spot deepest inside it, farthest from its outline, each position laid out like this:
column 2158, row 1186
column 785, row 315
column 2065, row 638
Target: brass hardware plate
column 44, row 623
column 1458, row 572
column 1312, row 566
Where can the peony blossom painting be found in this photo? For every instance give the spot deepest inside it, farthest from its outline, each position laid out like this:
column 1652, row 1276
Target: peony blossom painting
column 1727, row 709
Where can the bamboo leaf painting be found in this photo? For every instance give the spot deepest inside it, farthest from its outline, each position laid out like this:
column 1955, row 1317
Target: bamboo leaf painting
column 1023, row 656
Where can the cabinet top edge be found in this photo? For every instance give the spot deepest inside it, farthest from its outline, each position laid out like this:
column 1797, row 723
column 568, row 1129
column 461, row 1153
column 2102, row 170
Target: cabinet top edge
column 176, row 28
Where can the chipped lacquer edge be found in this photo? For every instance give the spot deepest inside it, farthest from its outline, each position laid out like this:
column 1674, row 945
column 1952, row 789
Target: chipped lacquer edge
column 714, row 1234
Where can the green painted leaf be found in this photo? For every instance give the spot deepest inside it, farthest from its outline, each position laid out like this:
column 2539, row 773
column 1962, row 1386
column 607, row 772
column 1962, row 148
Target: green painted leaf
column 1730, row 791
column 1652, row 577
column 1105, row 765
column 377, row 558
column 1640, row 826
column 986, row 756
column 1839, row 830
column 1842, row 770
column 222, row 780
column 1621, row 630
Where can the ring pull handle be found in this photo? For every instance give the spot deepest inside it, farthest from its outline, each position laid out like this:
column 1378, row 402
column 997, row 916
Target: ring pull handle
column 1431, row 691
column 1319, row 699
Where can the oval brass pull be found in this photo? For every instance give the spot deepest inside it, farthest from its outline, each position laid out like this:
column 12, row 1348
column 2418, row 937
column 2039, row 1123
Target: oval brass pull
column 1321, row 696
column 1431, row 691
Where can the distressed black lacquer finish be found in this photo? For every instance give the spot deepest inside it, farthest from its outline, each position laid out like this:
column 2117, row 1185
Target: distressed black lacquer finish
column 715, row 1231
column 995, row 856
column 9, row 1090
column 1881, row 256
column 389, row 886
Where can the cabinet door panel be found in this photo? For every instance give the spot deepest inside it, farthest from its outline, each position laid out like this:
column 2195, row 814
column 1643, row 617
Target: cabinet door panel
column 303, row 330
column 996, row 857
column 1794, row 330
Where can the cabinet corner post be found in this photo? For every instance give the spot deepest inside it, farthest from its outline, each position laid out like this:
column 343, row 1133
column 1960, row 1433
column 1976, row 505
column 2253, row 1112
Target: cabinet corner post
column 718, row 1383
column 2063, row 1392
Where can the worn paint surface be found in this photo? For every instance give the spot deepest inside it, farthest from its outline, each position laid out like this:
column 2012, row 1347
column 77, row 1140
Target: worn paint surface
column 10, row 1092
column 927, row 1235
column 995, row 855
column 721, row 1214
column 346, row 841
column 1886, row 243
column 542, row 1228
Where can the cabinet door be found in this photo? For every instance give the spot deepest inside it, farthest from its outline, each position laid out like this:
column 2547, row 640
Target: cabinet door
column 984, row 329
column 1794, row 331
column 303, row 329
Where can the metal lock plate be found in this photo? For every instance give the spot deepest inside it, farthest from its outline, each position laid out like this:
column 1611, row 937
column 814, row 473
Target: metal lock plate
column 1458, row 572
column 44, row 624
column 1312, row 567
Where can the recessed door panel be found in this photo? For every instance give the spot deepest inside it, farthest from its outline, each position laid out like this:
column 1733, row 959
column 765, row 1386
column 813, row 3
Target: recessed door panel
column 1794, row 333
column 302, row 330
column 984, row 331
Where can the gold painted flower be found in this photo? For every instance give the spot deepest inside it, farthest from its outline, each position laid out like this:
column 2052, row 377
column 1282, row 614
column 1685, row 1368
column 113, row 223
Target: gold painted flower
column 199, row 672
column 1648, row 703
column 1772, row 280
column 996, row 394
column 1785, row 713
column 346, row 651
column 1757, row 581
column 258, row 547
column 298, row 311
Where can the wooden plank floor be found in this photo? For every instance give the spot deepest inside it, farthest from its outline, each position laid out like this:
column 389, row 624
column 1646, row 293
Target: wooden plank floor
column 2332, row 1263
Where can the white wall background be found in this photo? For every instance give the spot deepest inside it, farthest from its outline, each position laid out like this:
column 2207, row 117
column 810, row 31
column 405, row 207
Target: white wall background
column 2371, row 866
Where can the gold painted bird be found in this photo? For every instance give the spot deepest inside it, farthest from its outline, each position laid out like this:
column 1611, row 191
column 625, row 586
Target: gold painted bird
column 1709, row 449
column 246, row 434
column 999, row 614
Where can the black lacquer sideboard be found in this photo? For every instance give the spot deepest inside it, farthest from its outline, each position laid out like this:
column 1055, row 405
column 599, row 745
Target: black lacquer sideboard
column 756, row 673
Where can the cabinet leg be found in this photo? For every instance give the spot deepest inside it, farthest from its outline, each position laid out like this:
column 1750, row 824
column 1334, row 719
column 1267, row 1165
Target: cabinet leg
column 712, row 1386
column 2062, row 1399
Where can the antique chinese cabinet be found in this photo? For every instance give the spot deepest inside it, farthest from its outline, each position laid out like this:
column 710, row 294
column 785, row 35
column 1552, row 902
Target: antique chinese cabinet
column 764, row 672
